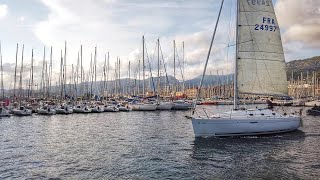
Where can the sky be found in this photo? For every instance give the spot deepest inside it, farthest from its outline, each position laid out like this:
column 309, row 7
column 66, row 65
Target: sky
column 117, row 26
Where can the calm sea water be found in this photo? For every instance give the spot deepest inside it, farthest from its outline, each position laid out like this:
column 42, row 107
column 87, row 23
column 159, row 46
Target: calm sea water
column 149, row 145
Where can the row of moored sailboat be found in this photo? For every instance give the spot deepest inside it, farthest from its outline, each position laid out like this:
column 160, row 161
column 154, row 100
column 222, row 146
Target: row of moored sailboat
column 95, row 107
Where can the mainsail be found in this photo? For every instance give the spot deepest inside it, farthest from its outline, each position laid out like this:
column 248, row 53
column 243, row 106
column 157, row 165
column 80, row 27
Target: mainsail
column 260, row 61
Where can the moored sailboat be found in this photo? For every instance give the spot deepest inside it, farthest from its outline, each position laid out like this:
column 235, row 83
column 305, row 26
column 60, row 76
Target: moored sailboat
column 259, row 70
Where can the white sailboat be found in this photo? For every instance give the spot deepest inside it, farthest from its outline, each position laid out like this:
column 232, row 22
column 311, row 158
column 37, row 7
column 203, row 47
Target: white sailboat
column 82, row 108
column 110, row 108
column 22, row 111
column 164, row 105
column 123, row 107
column 259, row 69
column 46, row 110
column 97, row 108
column 64, row 109
column 181, row 105
column 143, row 106
column 312, row 103
column 4, row 112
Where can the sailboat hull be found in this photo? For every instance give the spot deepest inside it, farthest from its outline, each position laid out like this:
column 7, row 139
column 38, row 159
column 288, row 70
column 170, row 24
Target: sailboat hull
column 242, row 123
column 165, row 106
column 144, row 107
column 243, row 127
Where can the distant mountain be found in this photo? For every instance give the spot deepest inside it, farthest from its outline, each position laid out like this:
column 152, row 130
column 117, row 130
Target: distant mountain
column 303, row 66
column 210, row 80
column 295, row 66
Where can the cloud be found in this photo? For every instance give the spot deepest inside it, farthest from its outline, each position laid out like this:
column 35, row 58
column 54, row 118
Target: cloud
column 117, row 26
column 3, row 11
column 300, row 20
column 22, row 18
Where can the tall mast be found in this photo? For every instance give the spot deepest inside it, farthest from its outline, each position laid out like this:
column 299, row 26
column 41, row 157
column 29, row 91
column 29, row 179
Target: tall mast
column 42, row 74
column 2, row 88
column 235, row 96
column 174, row 66
column 208, row 56
column 104, row 74
column 108, row 68
column 81, row 72
column 91, row 73
column 95, row 68
column 61, row 76
column 77, row 76
column 158, row 84
column 21, row 72
column 129, row 84
column 143, row 68
column 70, row 82
column 119, row 77
column 183, row 85
column 50, row 72
column 31, row 74
column 15, row 72
column 65, row 68
column 139, row 74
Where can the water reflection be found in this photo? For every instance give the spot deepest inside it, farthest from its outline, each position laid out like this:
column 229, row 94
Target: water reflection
column 251, row 156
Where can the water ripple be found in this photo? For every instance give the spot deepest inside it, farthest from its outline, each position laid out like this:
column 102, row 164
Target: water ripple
column 149, row 145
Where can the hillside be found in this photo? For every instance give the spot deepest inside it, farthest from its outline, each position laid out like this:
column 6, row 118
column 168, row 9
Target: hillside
column 303, row 66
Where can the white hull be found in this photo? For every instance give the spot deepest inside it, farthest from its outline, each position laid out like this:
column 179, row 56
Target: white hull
column 242, row 125
column 181, row 106
column 111, row 109
column 144, row 107
column 64, row 111
column 4, row 113
column 81, row 110
column 97, row 109
column 46, row 112
column 312, row 103
column 123, row 108
column 22, row 112
column 165, row 106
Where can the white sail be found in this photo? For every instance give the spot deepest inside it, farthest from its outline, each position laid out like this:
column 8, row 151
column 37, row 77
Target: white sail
column 261, row 64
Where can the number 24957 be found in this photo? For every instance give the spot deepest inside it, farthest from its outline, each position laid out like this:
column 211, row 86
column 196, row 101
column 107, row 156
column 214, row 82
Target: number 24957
column 263, row 27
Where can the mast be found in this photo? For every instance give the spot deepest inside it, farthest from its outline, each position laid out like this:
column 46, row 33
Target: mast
column 31, row 74
column 143, row 68
column 208, row 56
column 174, row 67
column 61, row 76
column 139, row 74
column 77, row 76
column 129, row 84
column 42, row 74
column 108, row 68
column 183, row 56
column 95, row 68
column 2, row 88
column 158, row 84
column 119, row 76
column 235, row 86
column 81, row 72
column 21, row 72
column 104, row 74
column 91, row 74
column 65, row 68
column 70, row 82
column 50, row 72
column 15, row 72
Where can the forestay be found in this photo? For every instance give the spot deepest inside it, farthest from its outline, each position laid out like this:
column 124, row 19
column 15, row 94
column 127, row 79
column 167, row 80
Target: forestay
column 261, row 64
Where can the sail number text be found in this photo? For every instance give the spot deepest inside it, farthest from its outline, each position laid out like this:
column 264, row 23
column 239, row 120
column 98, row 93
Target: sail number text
column 268, row 24
column 259, row 2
